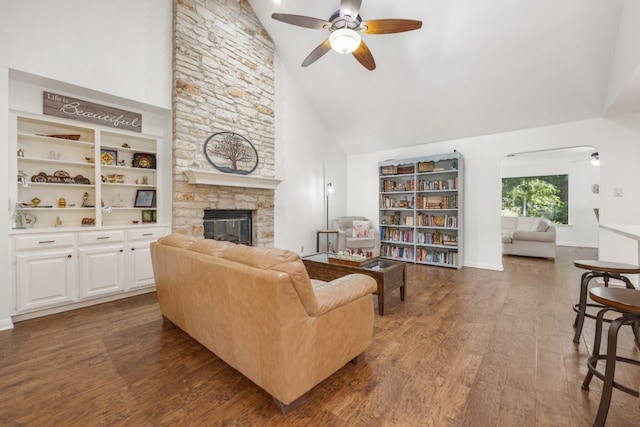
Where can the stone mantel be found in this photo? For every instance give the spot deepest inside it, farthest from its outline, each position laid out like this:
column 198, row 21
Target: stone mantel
column 203, row 177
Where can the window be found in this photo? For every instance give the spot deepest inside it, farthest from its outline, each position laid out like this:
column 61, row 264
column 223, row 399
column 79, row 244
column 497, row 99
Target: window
column 541, row 196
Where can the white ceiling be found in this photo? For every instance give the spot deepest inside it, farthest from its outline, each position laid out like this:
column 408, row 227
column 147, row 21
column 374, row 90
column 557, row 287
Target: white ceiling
column 476, row 67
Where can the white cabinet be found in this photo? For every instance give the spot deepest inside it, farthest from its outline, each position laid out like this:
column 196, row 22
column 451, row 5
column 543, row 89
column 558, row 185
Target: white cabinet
column 89, row 194
column 421, row 210
column 102, row 263
column 45, row 269
column 68, row 269
column 140, row 268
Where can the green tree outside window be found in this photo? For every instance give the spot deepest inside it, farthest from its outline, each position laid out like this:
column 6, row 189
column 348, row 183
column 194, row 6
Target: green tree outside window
column 540, row 196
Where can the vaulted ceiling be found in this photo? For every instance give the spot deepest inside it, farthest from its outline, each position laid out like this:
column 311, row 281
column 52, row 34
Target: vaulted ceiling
column 475, row 68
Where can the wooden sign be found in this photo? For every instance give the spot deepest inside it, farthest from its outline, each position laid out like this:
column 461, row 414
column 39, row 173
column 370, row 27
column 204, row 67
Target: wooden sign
column 90, row 112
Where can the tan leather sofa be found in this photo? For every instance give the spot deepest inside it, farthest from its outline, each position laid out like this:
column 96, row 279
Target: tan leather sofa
column 257, row 310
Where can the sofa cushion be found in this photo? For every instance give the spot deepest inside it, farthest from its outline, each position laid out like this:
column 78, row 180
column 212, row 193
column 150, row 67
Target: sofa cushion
column 359, row 242
column 210, row 246
column 534, row 236
column 528, row 223
column 278, row 260
column 508, row 223
column 361, row 228
column 177, row 240
column 543, row 224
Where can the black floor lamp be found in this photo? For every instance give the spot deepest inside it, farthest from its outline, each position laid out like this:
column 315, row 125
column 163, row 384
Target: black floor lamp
column 329, row 191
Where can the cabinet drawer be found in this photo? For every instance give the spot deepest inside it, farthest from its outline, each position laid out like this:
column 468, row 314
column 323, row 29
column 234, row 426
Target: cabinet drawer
column 43, row 241
column 151, row 233
column 107, row 236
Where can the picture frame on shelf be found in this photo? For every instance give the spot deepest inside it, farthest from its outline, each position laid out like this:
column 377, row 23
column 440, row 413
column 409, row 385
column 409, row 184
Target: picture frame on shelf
column 108, row 157
column 145, row 199
column 149, row 215
column 144, row 160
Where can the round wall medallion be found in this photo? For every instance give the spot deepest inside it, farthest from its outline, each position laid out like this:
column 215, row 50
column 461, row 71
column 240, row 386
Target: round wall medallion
column 231, row 153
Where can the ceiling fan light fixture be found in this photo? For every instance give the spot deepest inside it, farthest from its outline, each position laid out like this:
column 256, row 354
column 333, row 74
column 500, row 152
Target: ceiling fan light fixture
column 344, row 40
column 595, row 159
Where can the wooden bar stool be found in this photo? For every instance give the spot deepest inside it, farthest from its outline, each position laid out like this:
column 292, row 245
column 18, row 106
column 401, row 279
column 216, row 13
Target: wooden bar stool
column 626, row 302
column 606, row 270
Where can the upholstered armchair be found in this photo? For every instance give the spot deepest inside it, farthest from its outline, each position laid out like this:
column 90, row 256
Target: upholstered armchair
column 357, row 234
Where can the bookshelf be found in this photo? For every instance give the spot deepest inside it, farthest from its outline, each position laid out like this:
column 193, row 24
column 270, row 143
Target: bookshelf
column 420, row 210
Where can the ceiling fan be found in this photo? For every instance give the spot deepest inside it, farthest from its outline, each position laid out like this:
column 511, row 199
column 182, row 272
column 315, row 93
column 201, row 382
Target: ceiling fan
column 345, row 26
column 594, row 159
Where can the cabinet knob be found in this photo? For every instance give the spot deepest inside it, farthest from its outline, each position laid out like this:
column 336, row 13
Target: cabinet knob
column 133, row 249
column 121, row 250
column 69, row 256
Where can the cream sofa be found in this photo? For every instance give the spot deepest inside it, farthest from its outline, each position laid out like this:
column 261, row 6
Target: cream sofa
column 528, row 236
column 257, row 310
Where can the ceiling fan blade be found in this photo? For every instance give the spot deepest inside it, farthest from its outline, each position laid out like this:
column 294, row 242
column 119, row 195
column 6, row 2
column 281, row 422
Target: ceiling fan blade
column 317, row 53
column 390, row 26
column 364, row 56
column 350, row 8
column 302, row 21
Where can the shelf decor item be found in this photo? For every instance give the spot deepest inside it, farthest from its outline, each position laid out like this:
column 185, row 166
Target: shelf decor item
column 231, row 153
column 86, row 222
column 148, row 216
column 64, row 106
column 73, row 137
column 145, row 199
column 425, row 166
column 144, row 160
column 108, row 157
column 115, row 178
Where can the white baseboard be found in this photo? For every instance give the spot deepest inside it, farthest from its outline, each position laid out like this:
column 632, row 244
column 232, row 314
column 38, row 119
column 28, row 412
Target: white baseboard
column 6, row 324
column 496, row 267
column 82, row 304
column 578, row 245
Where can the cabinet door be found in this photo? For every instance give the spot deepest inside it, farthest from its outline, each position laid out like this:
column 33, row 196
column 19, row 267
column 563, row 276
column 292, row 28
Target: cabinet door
column 140, row 268
column 45, row 278
column 102, row 270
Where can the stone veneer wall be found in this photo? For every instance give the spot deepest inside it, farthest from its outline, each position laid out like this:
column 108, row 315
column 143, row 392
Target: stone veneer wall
column 223, row 77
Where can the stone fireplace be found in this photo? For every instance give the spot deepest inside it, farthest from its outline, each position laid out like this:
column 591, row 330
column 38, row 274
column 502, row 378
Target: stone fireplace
column 223, row 82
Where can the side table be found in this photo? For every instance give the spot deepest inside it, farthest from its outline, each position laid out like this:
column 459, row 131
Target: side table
column 327, row 233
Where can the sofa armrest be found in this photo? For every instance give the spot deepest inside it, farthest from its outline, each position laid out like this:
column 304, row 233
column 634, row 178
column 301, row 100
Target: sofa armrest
column 341, row 291
column 534, row 236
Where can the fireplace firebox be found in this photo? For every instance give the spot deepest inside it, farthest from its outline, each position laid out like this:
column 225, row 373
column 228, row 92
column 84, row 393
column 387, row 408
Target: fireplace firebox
column 228, row 225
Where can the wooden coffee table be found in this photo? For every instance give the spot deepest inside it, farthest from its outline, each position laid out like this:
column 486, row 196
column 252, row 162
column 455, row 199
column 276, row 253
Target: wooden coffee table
column 389, row 275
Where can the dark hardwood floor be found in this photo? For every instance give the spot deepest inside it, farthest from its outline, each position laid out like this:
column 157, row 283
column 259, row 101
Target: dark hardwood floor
column 466, row 348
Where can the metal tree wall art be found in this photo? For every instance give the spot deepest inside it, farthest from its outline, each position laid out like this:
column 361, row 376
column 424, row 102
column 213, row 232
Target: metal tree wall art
column 231, row 153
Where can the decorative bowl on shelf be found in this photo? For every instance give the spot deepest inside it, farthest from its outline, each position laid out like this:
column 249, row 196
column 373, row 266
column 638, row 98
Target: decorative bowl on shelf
column 73, row 137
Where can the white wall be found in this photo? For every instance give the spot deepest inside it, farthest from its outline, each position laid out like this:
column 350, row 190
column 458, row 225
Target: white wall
column 582, row 230
column 119, row 47
column 6, row 297
column 115, row 52
column 617, row 141
column 626, row 60
column 307, row 158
